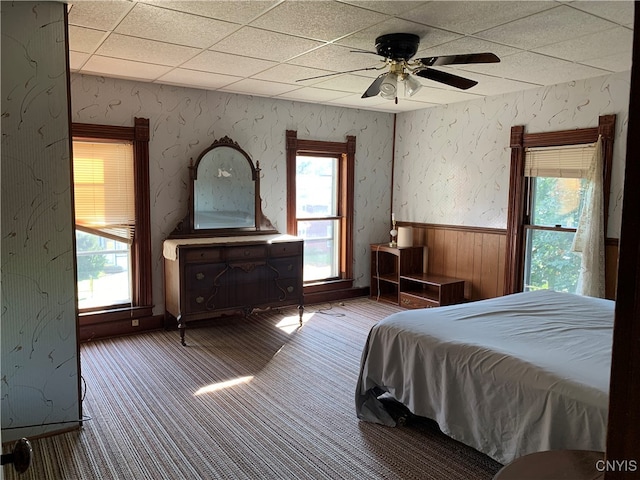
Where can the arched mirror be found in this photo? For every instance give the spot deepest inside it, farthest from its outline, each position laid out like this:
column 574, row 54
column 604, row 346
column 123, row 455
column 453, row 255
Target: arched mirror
column 225, row 193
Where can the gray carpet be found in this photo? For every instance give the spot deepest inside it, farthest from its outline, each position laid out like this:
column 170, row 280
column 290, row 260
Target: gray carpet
column 252, row 398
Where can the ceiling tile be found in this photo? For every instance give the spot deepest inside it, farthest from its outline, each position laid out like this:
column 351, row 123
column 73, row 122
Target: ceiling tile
column 475, row 16
column 99, row 15
column 310, row 94
column 169, row 26
column 337, row 59
column 551, row 26
column 319, row 20
column 536, row 68
column 392, row 7
column 85, row 40
column 237, row 11
column 616, row 11
column 193, row 78
column 150, row 51
column 619, row 62
column 489, row 85
column 467, row 45
column 286, row 73
column 114, row 67
column 346, row 83
column 217, row 62
column 257, row 43
column 77, row 60
column 594, row 45
column 252, row 86
column 366, row 39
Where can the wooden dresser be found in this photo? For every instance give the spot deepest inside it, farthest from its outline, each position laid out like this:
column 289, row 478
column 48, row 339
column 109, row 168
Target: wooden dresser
column 207, row 277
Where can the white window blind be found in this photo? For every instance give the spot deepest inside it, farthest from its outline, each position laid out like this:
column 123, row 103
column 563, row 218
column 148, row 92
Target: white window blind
column 104, row 189
column 572, row 161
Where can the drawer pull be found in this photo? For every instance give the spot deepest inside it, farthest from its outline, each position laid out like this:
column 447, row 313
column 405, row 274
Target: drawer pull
column 289, row 289
column 199, row 299
column 290, row 267
column 247, row 253
column 199, row 275
column 406, row 301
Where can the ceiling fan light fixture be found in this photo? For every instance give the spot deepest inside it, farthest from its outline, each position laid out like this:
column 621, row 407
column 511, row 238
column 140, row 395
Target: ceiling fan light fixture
column 411, row 86
column 389, row 86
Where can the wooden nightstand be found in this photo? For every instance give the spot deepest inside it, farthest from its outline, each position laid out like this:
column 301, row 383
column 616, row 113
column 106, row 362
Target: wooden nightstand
column 397, row 277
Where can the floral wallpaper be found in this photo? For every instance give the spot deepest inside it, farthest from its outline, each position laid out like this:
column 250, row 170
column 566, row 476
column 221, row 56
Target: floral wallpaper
column 185, row 121
column 452, row 161
column 40, row 360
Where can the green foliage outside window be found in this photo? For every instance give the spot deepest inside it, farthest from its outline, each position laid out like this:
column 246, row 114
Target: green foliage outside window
column 551, row 263
column 89, row 266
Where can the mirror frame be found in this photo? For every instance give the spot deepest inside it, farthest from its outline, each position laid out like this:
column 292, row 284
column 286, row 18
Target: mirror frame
column 262, row 225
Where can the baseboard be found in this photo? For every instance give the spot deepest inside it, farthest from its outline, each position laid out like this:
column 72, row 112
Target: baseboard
column 335, row 295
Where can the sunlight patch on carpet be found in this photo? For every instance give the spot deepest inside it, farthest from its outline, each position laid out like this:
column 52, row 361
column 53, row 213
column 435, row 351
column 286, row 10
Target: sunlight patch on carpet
column 221, row 385
column 291, row 323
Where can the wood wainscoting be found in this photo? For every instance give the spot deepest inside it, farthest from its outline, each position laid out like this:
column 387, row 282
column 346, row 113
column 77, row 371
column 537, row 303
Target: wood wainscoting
column 477, row 255
column 473, row 254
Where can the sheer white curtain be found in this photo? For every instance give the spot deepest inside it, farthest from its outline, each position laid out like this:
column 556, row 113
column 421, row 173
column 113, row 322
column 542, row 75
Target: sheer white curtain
column 590, row 234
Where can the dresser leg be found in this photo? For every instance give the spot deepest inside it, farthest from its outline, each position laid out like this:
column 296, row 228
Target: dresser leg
column 181, row 328
column 300, row 312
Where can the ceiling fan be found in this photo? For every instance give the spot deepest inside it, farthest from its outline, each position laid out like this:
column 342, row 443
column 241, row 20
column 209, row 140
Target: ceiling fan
column 398, row 49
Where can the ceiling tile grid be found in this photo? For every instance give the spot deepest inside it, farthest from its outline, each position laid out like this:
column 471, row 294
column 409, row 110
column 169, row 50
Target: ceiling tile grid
column 268, row 47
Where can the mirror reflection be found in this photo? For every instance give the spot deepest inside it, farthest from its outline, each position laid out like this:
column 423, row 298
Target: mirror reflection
column 224, row 190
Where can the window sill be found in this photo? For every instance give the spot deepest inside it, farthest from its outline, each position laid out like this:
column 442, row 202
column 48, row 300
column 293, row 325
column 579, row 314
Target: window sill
column 115, row 314
column 328, row 285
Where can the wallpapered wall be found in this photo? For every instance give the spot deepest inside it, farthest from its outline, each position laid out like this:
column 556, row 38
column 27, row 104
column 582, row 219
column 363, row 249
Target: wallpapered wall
column 452, row 161
column 40, row 364
column 185, row 121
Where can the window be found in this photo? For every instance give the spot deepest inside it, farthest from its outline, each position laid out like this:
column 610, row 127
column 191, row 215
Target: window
column 111, row 199
column 546, row 197
column 553, row 214
column 320, row 207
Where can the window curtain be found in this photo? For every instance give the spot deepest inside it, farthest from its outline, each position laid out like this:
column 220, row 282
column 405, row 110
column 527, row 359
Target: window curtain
column 590, row 234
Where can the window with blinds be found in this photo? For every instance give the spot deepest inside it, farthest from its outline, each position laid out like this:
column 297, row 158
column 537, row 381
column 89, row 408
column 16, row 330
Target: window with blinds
column 104, row 193
column 104, row 189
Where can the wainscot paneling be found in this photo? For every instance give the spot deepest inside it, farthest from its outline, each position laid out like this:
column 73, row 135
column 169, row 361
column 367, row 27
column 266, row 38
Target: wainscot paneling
column 473, row 254
column 477, row 255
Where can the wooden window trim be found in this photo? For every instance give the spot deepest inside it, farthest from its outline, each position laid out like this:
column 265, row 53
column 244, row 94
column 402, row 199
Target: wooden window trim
column 518, row 186
column 141, row 250
column 346, row 179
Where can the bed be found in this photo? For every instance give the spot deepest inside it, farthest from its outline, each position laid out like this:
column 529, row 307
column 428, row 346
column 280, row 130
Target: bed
column 507, row 376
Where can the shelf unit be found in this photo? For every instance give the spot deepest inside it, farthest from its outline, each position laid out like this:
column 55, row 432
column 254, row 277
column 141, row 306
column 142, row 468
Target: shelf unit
column 397, row 277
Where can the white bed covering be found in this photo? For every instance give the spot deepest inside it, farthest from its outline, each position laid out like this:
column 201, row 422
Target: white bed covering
column 508, row 376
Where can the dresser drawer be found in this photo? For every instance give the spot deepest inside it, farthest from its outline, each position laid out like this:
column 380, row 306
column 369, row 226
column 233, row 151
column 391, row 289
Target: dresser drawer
column 247, row 252
column 287, row 267
column 201, row 254
column 413, row 301
column 285, row 249
column 199, row 277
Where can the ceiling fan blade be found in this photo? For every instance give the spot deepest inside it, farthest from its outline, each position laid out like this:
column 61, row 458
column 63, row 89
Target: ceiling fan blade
column 337, row 73
column 460, row 59
column 447, row 78
column 374, row 88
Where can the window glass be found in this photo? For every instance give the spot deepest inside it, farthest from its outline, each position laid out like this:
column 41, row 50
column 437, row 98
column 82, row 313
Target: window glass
column 104, row 267
column 557, row 201
column 317, row 209
column 555, row 211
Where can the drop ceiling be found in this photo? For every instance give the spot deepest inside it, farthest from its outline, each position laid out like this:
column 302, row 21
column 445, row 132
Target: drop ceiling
column 264, row 47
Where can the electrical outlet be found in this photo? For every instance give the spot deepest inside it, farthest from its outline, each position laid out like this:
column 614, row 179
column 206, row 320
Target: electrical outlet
column 135, row 323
